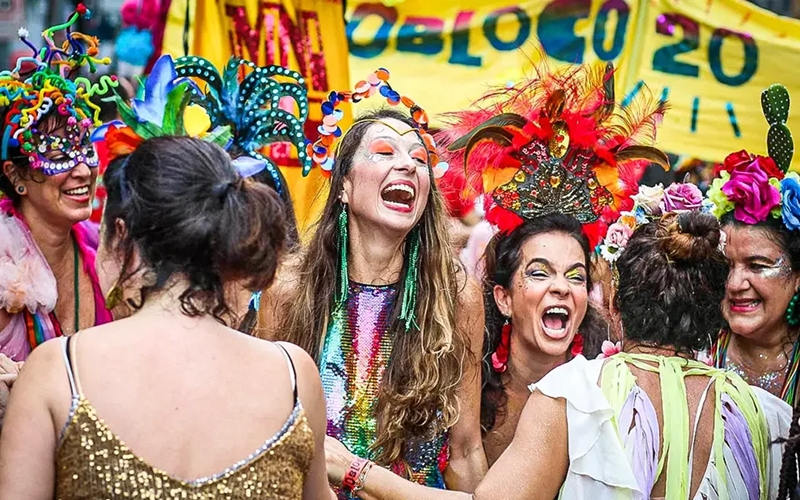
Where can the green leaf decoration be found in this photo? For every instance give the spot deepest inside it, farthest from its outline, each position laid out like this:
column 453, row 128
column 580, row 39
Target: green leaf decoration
column 501, row 120
column 177, row 100
column 219, row 136
column 780, row 146
column 145, row 130
column 775, row 103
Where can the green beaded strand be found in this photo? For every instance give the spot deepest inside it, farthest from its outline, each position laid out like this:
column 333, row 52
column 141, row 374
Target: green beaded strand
column 341, row 296
column 791, row 318
column 408, row 309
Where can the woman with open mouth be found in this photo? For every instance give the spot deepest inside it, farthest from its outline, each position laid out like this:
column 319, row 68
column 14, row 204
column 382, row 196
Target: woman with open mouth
column 48, row 286
column 649, row 421
column 380, row 302
column 755, row 197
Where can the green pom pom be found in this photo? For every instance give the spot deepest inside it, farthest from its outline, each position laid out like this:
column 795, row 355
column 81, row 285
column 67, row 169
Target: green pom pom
column 780, row 146
column 775, row 104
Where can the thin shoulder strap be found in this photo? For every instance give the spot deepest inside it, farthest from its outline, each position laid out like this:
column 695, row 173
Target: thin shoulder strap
column 292, row 372
column 65, row 351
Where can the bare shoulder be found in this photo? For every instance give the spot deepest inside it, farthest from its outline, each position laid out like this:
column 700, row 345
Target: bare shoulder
column 45, row 371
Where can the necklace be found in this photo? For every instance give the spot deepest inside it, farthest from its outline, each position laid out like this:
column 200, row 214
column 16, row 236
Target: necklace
column 789, row 389
column 76, row 287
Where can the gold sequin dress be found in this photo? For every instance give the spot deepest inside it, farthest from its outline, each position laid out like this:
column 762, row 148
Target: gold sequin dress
column 93, row 463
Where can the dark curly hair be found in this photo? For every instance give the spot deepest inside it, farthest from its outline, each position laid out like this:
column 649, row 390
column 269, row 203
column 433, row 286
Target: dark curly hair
column 672, row 281
column 188, row 212
column 502, row 258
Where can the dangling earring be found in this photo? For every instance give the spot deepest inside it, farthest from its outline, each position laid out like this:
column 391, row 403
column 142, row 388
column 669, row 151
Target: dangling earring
column 408, row 308
column 341, row 296
column 791, row 316
column 500, row 355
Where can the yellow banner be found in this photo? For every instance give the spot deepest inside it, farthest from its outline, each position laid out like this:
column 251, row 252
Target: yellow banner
column 709, row 58
column 304, row 35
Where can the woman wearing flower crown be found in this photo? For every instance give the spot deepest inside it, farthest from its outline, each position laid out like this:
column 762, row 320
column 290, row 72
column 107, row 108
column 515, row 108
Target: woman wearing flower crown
column 48, row 286
column 757, row 201
column 380, row 302
column 650, row 421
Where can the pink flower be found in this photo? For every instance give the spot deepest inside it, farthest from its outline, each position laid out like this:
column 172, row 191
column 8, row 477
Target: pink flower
column 609, row 349
column 680, row 197
column 750, row 192
column 618, row 235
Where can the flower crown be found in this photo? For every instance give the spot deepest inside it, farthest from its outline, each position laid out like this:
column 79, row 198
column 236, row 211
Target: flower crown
column 649, row 204
column 757, row 187
column 50, row 86
column 323, row 150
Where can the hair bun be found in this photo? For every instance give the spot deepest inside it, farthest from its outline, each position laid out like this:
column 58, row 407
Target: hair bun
column 689, row 236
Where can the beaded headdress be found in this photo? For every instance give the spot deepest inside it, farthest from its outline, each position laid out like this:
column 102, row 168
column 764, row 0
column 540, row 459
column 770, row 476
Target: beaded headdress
column 323, row 150
column 45, row 83
column 757, row 187
column 556, row 144
column 247, row 113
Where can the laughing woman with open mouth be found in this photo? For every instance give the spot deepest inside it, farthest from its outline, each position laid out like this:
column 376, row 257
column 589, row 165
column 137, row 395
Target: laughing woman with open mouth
column 381, row 303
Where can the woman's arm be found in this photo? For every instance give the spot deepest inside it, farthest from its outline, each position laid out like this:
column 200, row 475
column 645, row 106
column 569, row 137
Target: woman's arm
column 467, row 459
column 309, row 390
column 28, row 440
column 533, row 466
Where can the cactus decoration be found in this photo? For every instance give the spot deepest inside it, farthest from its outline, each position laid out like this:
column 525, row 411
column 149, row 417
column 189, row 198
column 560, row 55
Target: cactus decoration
column 775, row 105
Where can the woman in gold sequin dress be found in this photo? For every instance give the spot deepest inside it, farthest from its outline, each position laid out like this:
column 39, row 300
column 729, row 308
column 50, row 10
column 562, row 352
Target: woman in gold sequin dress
column 170, row 402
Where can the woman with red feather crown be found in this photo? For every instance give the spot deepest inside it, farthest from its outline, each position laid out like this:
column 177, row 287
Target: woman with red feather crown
column 556, row 160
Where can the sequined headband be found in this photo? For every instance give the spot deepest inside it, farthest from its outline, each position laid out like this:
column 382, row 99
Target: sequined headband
column 50, row 89
column 323, row 150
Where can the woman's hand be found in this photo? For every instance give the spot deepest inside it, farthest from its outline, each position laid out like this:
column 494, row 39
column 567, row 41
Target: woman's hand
column 9, row 370
column 337, row 460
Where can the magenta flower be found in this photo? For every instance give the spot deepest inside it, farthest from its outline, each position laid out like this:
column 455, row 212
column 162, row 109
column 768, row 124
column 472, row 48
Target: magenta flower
column 751, row 193
column 681, row 197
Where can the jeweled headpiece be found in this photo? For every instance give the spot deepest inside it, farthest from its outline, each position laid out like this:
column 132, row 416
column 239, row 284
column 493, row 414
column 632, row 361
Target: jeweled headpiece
column 757, row 187
column 49, row 86
column 556, row 144
column 323, row 150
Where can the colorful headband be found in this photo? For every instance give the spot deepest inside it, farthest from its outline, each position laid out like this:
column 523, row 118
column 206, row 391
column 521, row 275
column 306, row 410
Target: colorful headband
column 756, row 187
column 50, row 88
column 323, row 150
column 247, row 113
column 556, row 144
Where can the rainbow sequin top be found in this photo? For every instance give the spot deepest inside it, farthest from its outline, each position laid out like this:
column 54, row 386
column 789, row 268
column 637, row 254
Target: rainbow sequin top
column 355, row 355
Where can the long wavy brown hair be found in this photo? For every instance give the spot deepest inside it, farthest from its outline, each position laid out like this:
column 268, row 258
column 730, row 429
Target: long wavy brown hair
column 417, row 396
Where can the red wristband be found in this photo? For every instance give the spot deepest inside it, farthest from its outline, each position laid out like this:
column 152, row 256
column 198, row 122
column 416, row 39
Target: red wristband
column 353, row 472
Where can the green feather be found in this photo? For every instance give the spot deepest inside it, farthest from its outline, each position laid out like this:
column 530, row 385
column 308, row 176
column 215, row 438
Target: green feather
column 145, row 130
column 219, row 136
column 177, row 100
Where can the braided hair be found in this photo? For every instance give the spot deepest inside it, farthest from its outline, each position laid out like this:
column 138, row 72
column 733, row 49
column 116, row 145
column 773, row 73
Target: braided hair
column 791, row 454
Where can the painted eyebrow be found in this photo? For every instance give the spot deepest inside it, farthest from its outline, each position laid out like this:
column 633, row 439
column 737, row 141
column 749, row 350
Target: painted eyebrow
column 394, row 140
column 539, row 260
column 763, row 258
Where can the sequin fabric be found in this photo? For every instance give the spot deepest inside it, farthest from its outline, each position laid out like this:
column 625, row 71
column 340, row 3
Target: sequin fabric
column 93, row 463
column 355, row 355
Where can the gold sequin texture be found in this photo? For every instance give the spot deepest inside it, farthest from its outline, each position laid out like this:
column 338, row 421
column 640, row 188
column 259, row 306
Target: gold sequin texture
column 93, row 463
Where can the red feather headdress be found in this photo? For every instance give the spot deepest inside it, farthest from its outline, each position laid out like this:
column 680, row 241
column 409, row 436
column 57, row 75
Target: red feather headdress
column 556, row 144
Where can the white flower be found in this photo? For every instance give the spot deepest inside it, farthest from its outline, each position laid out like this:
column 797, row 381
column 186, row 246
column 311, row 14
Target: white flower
column 23, row 33
column 610, row 252
column 648, row 198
